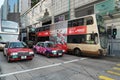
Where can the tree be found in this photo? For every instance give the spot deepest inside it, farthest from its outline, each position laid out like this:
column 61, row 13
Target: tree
column 34, row 2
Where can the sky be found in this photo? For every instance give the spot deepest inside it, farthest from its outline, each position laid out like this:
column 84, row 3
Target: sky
column 1, row 2
column 11, row 3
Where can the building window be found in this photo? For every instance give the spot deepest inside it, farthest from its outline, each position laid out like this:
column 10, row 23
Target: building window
column 89, row 12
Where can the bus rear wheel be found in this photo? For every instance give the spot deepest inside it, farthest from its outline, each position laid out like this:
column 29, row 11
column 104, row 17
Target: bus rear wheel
column 77, row 52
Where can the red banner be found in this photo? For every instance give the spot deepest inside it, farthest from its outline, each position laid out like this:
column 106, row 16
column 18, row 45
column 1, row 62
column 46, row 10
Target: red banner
column 77, row 30
column 43, row 33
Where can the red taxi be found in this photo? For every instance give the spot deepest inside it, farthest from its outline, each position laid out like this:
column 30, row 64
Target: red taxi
column 17, row 51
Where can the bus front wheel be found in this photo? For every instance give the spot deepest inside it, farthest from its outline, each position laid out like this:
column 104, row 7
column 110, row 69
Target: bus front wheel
column 77, row 52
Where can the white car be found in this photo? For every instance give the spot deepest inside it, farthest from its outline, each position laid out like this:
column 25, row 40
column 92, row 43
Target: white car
column 2, row 45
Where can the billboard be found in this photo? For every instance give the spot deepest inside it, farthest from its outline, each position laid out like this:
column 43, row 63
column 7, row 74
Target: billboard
column 58, row 32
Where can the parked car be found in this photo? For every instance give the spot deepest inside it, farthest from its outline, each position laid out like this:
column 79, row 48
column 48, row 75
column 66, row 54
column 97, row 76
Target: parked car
column 2, row 45
column 48, row 48
column 17, row 50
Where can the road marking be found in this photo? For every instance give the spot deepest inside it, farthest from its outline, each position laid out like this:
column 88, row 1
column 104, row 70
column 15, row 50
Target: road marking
column 71, row 61
column 105, row 78
column 114, row 73
column 43, row 67
column 118, row 64
column 116, row 68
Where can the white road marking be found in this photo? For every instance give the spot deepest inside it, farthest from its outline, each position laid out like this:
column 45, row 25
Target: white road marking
column 71, row 61
column 43, row 67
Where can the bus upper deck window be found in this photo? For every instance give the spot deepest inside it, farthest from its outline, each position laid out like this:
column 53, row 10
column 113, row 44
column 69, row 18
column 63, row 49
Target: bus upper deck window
column 81, row 21
column 70, row 24
column 89, row 22
column 75, row 23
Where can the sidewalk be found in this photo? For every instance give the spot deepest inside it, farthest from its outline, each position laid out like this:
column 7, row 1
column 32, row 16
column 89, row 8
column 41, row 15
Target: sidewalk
column 112, row 58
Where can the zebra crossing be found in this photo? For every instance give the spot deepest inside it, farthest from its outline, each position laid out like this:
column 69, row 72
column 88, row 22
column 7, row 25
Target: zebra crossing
column 114, row 71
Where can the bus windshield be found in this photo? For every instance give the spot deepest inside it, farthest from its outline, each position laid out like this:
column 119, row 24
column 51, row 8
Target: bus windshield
column 8, row 37
column 102, row 31
column 9, row 26
column 9, row 31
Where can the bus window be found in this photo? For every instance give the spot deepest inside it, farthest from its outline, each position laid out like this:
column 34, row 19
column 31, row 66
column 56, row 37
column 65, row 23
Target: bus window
column 89, row 20
column 92, row 38
column 75, row 23
column 81, row 21
column 76, row 39
column 46, row 27
column 69, row 23
column 83, row 39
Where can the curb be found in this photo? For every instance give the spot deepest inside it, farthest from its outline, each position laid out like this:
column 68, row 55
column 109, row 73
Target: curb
column 112, row 58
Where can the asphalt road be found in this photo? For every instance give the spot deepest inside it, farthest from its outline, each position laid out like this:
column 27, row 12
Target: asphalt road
column 68, row 67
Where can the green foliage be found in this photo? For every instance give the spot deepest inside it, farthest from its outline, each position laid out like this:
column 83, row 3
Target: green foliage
column 34, row 2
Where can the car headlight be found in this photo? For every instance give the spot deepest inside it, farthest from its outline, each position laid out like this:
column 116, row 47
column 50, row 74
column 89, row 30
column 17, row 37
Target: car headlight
column 63, row 50
column 14, row 54
column 31, row 52
column 54, row 51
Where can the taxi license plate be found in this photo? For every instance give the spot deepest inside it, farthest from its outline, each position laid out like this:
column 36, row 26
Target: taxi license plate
column 15, row 57
column 23, row 57
column 60, row 54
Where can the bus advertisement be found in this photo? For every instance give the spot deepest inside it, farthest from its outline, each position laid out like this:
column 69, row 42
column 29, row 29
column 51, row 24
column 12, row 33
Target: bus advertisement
column 58, row 34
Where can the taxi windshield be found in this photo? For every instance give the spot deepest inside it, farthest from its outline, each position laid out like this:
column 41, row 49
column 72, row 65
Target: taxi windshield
column 17, row 45
column 50, row 44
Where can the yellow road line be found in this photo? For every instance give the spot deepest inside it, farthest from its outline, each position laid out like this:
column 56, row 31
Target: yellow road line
column 116, row 68
column 118, row 64
column 114, row 73
column 105, row 78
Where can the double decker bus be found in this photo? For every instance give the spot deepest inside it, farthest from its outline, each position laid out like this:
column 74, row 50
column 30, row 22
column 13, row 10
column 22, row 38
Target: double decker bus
column 87, row 35
column 9, row 32
column 82, row 36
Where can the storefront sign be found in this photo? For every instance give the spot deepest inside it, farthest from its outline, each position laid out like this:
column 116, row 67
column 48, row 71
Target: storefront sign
column 43, row 33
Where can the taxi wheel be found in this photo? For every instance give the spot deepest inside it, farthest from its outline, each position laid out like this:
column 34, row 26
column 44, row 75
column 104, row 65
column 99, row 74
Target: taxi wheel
column 4, row 53
column 35, row 51
column 8, row 59
column 48, row 55
column 31, row 59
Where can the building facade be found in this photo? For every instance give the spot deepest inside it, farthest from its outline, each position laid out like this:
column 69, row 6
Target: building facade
column 24, row 5
column 60, row 10
column 4, row 10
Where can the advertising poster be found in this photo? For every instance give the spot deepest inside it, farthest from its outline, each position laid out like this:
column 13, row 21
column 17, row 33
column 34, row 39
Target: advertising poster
column 58, row 32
